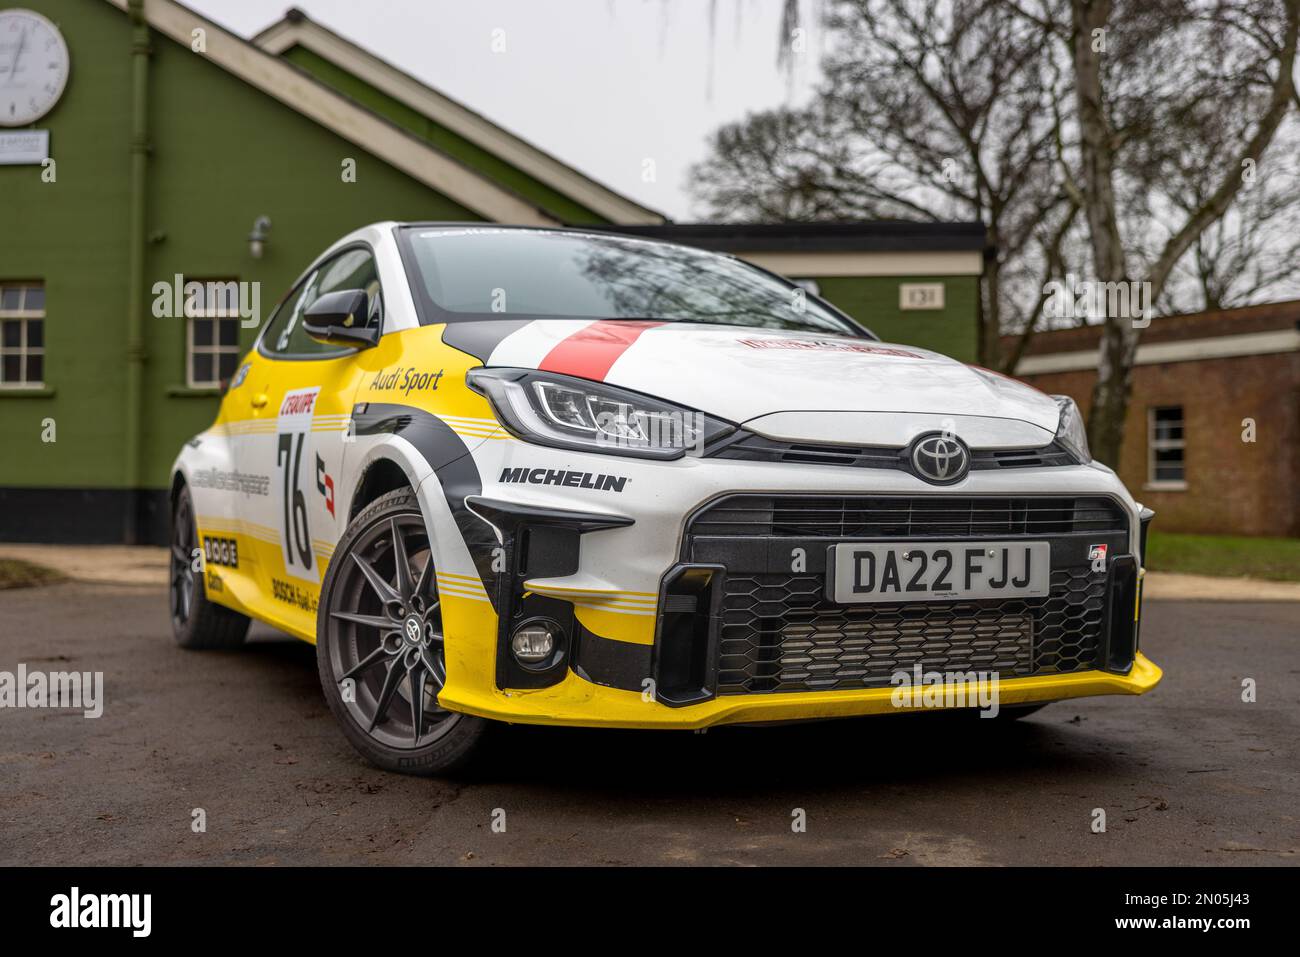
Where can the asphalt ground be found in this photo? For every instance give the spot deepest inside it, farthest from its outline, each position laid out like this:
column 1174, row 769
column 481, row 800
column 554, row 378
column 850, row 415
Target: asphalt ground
column 1188, row 774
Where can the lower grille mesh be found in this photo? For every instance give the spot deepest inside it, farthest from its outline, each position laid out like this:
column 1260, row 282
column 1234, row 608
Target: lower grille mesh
column 779, row 633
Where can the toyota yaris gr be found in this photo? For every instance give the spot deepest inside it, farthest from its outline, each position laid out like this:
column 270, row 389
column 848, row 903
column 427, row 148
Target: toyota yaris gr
column 560, row 477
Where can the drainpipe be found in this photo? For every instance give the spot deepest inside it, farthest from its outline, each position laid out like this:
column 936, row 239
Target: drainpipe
column 135, row 349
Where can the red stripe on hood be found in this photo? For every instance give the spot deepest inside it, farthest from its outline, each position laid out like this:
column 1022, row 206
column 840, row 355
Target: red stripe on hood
column 590, row 352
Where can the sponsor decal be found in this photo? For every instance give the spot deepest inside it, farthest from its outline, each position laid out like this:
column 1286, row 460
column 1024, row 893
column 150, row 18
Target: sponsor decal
column 826, row 345
column 325, row 485
column 246, row 483
column 1097, row 552
column 405, row 380
column 214, row 581
column 294, row 431
column 240, row 375
column 128, row 911
column 299, row 403
column 565, row 479
column 292, row 594
column 221, row 551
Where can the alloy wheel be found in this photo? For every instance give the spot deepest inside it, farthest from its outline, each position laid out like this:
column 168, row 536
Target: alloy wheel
column 386, row 636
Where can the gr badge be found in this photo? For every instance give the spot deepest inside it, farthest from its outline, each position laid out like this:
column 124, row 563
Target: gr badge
column 1097, row 557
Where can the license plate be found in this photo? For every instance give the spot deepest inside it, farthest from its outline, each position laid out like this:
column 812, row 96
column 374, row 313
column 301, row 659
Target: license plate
column 938, row 571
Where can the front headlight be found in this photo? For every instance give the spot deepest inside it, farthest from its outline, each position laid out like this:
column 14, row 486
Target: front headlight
column 1072, row 433
column 569, row 413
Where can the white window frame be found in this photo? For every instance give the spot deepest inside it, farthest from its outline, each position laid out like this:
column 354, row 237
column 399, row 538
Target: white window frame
column 22, row 350
column 1154, row 445
column 209, row 310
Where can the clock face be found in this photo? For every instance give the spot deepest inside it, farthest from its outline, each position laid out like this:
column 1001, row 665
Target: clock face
column 33, row 66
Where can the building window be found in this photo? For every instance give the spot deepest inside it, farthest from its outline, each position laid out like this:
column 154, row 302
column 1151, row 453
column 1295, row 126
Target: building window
column 1165, row 446
column 22, row 335
column 212, row 348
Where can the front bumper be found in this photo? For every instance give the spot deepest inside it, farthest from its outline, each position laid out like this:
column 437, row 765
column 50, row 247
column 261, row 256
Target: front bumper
column 596, row 552
column 580, row 703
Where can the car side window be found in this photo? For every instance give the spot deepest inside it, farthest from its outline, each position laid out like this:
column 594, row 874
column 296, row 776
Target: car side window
column 350, row 269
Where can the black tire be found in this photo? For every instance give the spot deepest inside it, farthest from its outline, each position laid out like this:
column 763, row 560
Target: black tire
column 383, row 630
column 197, row 624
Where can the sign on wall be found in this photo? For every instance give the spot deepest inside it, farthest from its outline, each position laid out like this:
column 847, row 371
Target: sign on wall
column 920, row 295
column 24, row 147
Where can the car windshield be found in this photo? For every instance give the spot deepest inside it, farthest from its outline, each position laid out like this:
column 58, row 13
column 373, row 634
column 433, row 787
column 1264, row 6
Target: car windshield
column 496, row 273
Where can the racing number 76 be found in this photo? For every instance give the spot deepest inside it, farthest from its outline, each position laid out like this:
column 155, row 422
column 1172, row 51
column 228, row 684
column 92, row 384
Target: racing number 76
column 296, row 532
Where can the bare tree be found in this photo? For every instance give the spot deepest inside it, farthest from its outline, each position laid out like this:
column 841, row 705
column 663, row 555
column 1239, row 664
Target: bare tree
column 928, row 111
column 1121, row 140
column 1218, row 76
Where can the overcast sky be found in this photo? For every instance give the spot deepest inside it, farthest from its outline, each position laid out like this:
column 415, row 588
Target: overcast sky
column 601, row 84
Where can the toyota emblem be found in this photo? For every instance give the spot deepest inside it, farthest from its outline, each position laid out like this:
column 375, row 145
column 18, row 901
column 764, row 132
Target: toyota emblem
column 940, row 458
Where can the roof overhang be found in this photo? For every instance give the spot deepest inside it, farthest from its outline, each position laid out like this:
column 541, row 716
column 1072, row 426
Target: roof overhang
column 296, row 29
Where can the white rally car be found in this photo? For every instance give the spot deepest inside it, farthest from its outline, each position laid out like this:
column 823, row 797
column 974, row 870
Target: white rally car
column 562, row 477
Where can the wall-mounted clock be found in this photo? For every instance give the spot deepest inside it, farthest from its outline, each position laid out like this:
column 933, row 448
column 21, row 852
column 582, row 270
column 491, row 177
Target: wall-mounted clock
column 34, row 66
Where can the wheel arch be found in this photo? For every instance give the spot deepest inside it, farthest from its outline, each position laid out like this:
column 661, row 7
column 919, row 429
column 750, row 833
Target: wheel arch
column 379, row 476
column 179, row 481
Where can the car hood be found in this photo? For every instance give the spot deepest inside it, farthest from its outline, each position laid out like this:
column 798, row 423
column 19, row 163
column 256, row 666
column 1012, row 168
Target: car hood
column 744, row 373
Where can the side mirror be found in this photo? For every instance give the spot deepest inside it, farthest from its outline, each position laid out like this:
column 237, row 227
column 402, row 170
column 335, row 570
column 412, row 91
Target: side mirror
column 339, row 319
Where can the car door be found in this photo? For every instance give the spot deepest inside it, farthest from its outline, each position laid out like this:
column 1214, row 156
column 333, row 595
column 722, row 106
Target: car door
column 301, row 393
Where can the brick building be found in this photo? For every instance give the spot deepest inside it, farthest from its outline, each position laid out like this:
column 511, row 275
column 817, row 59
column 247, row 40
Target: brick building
column 1198, row 378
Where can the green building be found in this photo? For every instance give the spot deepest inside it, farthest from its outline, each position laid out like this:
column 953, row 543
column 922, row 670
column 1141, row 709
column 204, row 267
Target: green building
column 157, row 148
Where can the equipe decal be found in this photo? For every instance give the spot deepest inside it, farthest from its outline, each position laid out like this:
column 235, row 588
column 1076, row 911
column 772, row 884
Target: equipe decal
column 564, row 478
column 293, row 428
column 592, row 351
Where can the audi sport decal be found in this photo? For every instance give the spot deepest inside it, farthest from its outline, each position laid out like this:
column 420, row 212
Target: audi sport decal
column 592, row 351
column 405, row 380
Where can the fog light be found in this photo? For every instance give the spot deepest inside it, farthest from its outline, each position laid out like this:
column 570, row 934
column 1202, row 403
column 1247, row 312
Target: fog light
column 533, row 642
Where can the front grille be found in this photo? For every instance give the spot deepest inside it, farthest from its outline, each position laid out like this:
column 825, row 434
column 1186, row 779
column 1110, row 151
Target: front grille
column 865, row 517
column 748, row 447
column 779, row 633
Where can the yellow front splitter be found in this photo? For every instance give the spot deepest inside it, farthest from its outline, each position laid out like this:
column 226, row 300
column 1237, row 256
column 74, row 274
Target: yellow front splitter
column 576, row 702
